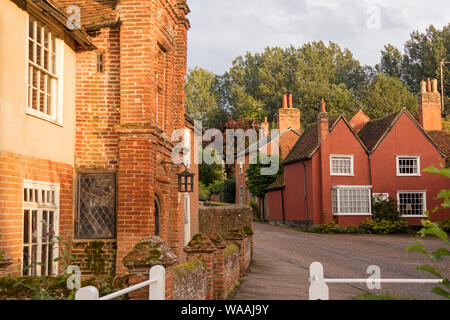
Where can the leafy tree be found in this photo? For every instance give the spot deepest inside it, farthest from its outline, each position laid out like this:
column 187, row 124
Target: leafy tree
column 257, row 183
column 203, row 100
column 386, row 95
column 391, row 62
column 210, row 173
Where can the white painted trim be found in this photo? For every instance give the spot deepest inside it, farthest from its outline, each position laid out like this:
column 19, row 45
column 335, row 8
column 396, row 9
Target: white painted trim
column 39, row 207
column 406, row 174
column 338, row 188
column 351, row 157
column 424, row 192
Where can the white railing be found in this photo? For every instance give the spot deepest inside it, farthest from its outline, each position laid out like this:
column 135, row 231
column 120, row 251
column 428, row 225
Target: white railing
column 156, row 284
column 318, row 289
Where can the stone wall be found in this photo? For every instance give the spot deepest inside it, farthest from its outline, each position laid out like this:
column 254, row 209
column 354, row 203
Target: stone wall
column 189, row 280
column 220, row 219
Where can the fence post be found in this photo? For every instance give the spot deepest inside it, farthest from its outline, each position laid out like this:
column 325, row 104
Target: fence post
column 87, row 293
column 157, row 290
column 318, row 289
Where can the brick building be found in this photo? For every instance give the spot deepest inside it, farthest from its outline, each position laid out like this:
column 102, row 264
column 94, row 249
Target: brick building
column 288, row 121
column 337, row 165
column 87, row 118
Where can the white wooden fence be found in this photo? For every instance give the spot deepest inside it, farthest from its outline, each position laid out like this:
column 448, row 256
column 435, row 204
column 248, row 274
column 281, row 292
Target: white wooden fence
column 156, row 284
column 318, row 289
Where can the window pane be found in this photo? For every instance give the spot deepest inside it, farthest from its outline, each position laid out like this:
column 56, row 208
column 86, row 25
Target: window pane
column 31, row 28
column 38, row 60
column 26, row 259
column 31, row 55
column 34, row 226
column 96, row 206
column 26, row 226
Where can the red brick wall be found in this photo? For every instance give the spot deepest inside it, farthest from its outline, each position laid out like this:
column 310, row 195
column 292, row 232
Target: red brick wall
column 14, row 169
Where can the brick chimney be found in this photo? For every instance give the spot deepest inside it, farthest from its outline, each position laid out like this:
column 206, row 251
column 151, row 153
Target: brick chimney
column 322, row 122
column 288, row 116
column 430, row 112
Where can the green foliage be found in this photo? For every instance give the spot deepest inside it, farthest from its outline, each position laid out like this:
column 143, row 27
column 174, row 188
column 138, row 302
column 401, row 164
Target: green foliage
column 255, row 210
column 420, row 59
column 385, row 209
column 444, row 225
column 384, row 226
column 386, row 95
column 210, row 173
column 203, row 193
column 256, row 182
column 330, row 227
column 226, row 189
column 54, row 287
column 434, row 229
column 203, row 98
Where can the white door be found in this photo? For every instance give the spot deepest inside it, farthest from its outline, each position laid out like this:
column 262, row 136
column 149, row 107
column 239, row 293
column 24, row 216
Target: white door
column 187, row 218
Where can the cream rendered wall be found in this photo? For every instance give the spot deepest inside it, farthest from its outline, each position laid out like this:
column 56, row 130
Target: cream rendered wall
column 19, row 132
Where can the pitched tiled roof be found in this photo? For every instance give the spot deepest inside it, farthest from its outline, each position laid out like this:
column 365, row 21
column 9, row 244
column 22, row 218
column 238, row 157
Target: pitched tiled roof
column 307, row 144
column 442, row 139
column 372, row 132
column 277, row 184
column 93, row 12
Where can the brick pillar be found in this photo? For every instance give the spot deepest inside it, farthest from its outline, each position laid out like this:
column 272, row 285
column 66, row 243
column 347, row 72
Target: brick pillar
column 148, row 252
column 219, row 266
column 236, row 235
column 201, row 247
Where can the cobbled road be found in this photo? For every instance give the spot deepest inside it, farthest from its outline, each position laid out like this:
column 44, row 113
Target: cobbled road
column 280, row 267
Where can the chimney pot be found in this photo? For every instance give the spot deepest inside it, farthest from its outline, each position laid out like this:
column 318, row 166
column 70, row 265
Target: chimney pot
column 423, row 86
column 428, row 85
column 285, row 103
column 434, row 85
column 290, row 105
column 322, row 106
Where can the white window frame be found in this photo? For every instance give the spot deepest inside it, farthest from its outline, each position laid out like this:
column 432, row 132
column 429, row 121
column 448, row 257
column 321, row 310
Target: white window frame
column 397, row 158
column 340, row 187
column 350, row 157
column 41, row 206
column 241, row 195
column 57, row 97
column 424, row 200
column 241, row 168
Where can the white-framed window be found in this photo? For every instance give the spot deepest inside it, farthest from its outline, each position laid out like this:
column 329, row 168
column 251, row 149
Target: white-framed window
column 341, row 165
column 412, row 203
column 408, row 165
column 241, row 168
column 40, row 228
column 380, row 196
column 45, row 59
column 351, row 200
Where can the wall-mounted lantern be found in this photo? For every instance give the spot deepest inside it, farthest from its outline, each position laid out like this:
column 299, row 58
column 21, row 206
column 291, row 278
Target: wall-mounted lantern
column 186, row 181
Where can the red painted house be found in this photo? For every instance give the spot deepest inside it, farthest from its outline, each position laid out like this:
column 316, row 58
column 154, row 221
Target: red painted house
column 337, row 165
column 289, row 132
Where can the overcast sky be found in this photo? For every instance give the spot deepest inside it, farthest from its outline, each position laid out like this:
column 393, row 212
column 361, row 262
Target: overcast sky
column 223, row 29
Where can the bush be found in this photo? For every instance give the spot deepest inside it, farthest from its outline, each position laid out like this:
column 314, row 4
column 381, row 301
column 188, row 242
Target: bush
column 444, row 225
column 385, row 209
column 255, row 210
column 203, row 192
column 384, row 226
column 331, row 227
column 226, row 189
